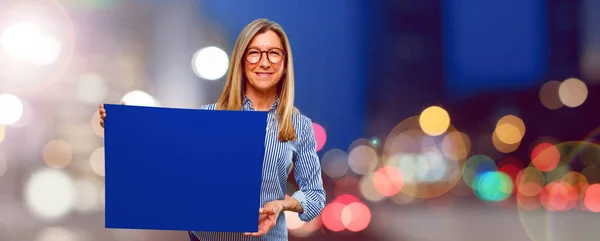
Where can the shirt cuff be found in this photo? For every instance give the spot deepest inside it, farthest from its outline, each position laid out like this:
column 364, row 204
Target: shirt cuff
column 299, row 196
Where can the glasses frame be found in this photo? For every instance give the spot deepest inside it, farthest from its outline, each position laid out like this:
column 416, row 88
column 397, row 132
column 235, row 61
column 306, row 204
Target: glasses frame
column 283, row 53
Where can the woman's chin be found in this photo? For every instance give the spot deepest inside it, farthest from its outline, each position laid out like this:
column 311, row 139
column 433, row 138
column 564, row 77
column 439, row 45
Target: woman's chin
column 264, row 85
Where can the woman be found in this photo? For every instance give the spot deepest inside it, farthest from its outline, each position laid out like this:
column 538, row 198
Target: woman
column 261, row 78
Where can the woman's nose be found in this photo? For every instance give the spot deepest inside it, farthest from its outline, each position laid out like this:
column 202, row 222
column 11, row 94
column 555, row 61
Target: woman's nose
column 264, row 61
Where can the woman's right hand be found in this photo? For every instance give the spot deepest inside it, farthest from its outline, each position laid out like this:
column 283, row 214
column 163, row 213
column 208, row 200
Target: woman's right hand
column 102, row 113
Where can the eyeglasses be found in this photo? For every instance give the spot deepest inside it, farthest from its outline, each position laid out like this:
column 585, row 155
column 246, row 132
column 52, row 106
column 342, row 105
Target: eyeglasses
column 274, row 55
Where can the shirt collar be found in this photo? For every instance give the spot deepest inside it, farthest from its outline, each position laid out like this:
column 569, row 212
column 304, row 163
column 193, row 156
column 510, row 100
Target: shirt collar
column 248, row 103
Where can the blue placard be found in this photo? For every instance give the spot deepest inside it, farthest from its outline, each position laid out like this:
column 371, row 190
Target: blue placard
column 183, row 169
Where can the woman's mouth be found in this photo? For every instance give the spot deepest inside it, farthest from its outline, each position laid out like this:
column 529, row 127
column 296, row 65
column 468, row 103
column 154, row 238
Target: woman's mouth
column 263, row 74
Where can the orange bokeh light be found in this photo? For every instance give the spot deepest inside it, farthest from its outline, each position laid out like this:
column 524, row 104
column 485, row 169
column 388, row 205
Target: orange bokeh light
column 388, row 181
column 545, row 157
column 592, row 198
column 559, row 196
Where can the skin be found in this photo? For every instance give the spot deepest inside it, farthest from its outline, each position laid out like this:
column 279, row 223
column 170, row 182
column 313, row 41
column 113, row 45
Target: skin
column 261, row 89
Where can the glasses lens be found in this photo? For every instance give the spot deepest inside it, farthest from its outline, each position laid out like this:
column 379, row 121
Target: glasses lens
column 275, row 55
column 253, row 56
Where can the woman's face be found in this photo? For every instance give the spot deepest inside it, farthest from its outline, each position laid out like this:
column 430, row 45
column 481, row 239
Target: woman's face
column 264, row 61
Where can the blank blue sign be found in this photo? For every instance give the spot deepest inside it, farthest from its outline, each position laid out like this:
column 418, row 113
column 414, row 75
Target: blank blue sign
column 183, row 169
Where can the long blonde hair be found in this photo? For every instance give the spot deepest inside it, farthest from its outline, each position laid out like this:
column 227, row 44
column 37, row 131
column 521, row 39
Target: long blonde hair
column 233, row 93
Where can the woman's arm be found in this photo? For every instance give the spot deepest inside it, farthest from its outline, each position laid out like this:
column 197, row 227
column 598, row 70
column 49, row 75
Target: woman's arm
column 309, row 201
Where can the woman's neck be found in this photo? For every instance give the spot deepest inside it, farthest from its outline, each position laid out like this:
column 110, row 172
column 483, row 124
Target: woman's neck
column 262, row 100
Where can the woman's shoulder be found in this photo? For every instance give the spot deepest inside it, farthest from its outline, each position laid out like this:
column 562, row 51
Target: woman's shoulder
column 208, row 107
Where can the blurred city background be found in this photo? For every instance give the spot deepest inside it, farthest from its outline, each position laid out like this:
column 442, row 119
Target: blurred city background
column 435, row 120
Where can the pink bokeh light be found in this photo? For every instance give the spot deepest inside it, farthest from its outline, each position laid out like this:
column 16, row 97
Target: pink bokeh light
column 320, row 135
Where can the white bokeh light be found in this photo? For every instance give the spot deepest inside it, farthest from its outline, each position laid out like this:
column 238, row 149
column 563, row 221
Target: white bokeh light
column 56, row 234
column 50, row 193
column 92, row 89
column 210, row 63
column 139, row 98
column 20, row 40
column 97, row 161
column 11, row 109
column 47, row 51
column 25, row 41
column 88, row 196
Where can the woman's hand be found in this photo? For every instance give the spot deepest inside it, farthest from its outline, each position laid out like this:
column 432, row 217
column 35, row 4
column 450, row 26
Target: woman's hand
column 268, row 217
column 102, row 113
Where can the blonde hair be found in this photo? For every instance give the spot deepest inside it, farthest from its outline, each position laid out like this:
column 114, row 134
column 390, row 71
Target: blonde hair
column 233, row 93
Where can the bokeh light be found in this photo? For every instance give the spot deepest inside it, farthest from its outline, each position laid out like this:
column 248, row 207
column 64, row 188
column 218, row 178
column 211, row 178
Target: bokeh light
column 25, row 41
column 88, row 195
column 545, row 157
column 48, row 50
column 548, row 95
column 592, row 198
column 434, row 120
column 572, row 92
column 367, row 188
column 363, row 159
column 456, row 145
column 50, row 193
column 332, row 216
column 510, row 129
column 511, row 166
column 530, row 181
column 11, row 109
column 97, row 161
column 356, row 216
column 493, row 186
column 57, row 234
column 577, row 181
column 335, row 163
column 95, row 124
column 92, row 88
column 210, row 63
column 320, row 135
column 558, row 196
column 508, row 133
column 477, row 165
column 388, row 181
column 57, row 153
column 139, row 98
column 19, row 40
column 502, row 146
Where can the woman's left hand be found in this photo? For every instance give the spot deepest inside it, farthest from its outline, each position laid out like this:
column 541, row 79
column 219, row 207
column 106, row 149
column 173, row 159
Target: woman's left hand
column 267, row 217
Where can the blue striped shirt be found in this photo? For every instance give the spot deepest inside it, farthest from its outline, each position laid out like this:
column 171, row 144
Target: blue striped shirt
column 276, row 164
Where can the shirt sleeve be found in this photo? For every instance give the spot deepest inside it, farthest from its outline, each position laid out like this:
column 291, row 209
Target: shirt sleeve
column 307, row 171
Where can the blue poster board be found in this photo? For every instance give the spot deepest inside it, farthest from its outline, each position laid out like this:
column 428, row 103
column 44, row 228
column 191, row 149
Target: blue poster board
column 183, row 169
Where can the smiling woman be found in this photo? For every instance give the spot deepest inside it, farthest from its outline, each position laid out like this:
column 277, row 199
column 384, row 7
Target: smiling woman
column 261, row 78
